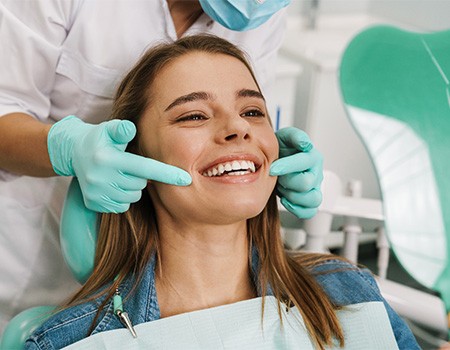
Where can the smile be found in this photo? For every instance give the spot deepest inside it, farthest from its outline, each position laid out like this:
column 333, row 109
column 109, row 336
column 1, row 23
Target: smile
column 232, row 168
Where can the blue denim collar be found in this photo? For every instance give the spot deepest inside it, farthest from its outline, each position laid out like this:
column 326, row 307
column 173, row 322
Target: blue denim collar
column 255, row 267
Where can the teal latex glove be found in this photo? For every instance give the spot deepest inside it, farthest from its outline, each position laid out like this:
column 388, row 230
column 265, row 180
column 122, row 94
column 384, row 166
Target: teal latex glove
column 110, row 178
column 300, row 171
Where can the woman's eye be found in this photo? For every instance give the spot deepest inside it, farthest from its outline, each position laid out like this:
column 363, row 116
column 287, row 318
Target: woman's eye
column 191, row 117
column 254, row 113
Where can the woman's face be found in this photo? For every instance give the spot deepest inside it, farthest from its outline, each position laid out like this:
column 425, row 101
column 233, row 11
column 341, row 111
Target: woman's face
column 208, row 117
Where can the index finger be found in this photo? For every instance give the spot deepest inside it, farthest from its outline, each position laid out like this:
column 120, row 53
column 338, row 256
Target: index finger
column 151, row 169
column 292, row 139
column 295, row 163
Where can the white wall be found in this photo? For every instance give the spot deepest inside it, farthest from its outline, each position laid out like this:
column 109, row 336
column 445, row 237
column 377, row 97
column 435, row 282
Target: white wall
column 423, row 14
column 330, row 6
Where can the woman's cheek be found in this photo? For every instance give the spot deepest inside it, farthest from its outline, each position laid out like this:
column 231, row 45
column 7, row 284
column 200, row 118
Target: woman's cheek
column 183, row 151
column 271, row 146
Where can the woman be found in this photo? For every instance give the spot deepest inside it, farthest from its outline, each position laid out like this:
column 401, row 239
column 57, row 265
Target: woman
column 197, row 105
column 67, row 57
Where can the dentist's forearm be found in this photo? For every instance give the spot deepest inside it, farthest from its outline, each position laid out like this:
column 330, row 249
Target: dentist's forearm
column 23, row 146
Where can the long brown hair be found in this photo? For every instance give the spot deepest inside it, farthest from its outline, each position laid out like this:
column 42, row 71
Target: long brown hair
column 126, row 242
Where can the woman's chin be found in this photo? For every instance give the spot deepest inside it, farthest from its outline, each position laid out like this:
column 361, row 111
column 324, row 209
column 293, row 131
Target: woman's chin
column 236, row 212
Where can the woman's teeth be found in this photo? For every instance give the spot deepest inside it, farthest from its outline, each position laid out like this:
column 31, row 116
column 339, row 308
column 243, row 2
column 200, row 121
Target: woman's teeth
column 236, row 167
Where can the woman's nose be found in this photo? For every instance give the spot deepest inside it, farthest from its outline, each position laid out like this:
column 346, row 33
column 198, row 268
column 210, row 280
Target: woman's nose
column 235, row 128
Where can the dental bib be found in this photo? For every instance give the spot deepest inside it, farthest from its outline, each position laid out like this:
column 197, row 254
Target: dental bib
column 239, row 326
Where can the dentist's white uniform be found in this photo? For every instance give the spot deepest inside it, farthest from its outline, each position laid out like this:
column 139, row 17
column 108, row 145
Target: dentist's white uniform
column 61, row 57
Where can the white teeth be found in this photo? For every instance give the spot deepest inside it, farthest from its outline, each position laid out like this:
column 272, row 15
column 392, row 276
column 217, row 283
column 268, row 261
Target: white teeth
column 234, row 168
column 237, row 173
column 236, row 165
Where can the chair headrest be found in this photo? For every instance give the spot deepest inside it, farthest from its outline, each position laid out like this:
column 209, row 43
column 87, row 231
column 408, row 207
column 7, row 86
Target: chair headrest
column 78, row 233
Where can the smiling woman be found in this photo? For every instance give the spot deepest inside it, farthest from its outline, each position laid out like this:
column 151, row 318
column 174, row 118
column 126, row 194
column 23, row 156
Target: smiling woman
column 197, row 105
column 218, row 118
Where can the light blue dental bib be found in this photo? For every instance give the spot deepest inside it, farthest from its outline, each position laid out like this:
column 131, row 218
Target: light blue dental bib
column 238, row 326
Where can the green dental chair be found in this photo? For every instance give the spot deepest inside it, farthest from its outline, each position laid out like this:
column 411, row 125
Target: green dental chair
column 78, row 235
column 396, row 88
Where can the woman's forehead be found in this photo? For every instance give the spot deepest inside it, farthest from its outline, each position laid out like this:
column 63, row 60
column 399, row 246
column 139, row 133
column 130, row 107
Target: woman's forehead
column 202, row 71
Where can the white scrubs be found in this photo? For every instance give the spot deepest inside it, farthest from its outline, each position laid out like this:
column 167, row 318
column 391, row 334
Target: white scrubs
column 61, row 57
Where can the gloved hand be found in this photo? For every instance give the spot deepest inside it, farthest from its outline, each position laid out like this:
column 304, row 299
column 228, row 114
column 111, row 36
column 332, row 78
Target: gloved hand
column 110, row 178
column 300, row 172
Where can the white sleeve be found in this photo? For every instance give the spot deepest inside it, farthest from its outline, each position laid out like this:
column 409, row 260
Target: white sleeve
column 31, row 33
column 265, row 60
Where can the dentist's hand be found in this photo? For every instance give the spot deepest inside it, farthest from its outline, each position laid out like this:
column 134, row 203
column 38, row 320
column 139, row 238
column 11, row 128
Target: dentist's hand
column 300, row 172
column 110, row 178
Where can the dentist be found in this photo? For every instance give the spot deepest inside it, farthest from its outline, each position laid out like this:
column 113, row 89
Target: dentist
column 59, row 66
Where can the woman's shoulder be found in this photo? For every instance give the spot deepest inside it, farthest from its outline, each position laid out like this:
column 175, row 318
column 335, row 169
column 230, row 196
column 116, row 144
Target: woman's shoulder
column 69, row 326
column 79, row 321
column 346, row 283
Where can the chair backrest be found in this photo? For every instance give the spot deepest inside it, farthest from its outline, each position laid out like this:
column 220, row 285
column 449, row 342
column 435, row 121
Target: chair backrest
column 395, row 86
column 22, row 326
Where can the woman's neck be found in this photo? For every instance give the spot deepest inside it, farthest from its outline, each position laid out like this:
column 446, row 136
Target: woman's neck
column 184, row 14
column 203, row 267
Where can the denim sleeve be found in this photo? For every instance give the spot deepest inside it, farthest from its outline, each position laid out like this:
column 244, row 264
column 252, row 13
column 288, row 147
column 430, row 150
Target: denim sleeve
column 31, row 345
column 403, row 335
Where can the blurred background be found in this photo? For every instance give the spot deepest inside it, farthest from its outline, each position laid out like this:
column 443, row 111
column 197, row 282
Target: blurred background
column 307, row 95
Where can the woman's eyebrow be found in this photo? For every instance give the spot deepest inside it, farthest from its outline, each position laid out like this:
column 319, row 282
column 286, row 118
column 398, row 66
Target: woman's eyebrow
column 193, row 96
column 201, row 95
column 250, row 93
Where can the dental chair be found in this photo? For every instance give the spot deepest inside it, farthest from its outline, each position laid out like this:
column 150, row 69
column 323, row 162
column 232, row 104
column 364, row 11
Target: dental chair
column 78, row 235
column 395, row 86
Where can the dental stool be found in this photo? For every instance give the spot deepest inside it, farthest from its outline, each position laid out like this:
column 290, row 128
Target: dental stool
column 395, row 86
column 78, row 235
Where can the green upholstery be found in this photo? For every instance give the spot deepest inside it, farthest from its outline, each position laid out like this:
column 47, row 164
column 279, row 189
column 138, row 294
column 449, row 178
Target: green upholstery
column 395, row 86
column 22, row 325
column 78, row 233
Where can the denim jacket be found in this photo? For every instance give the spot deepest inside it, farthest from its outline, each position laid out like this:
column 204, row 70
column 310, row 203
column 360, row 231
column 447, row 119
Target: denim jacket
column 343, row 283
